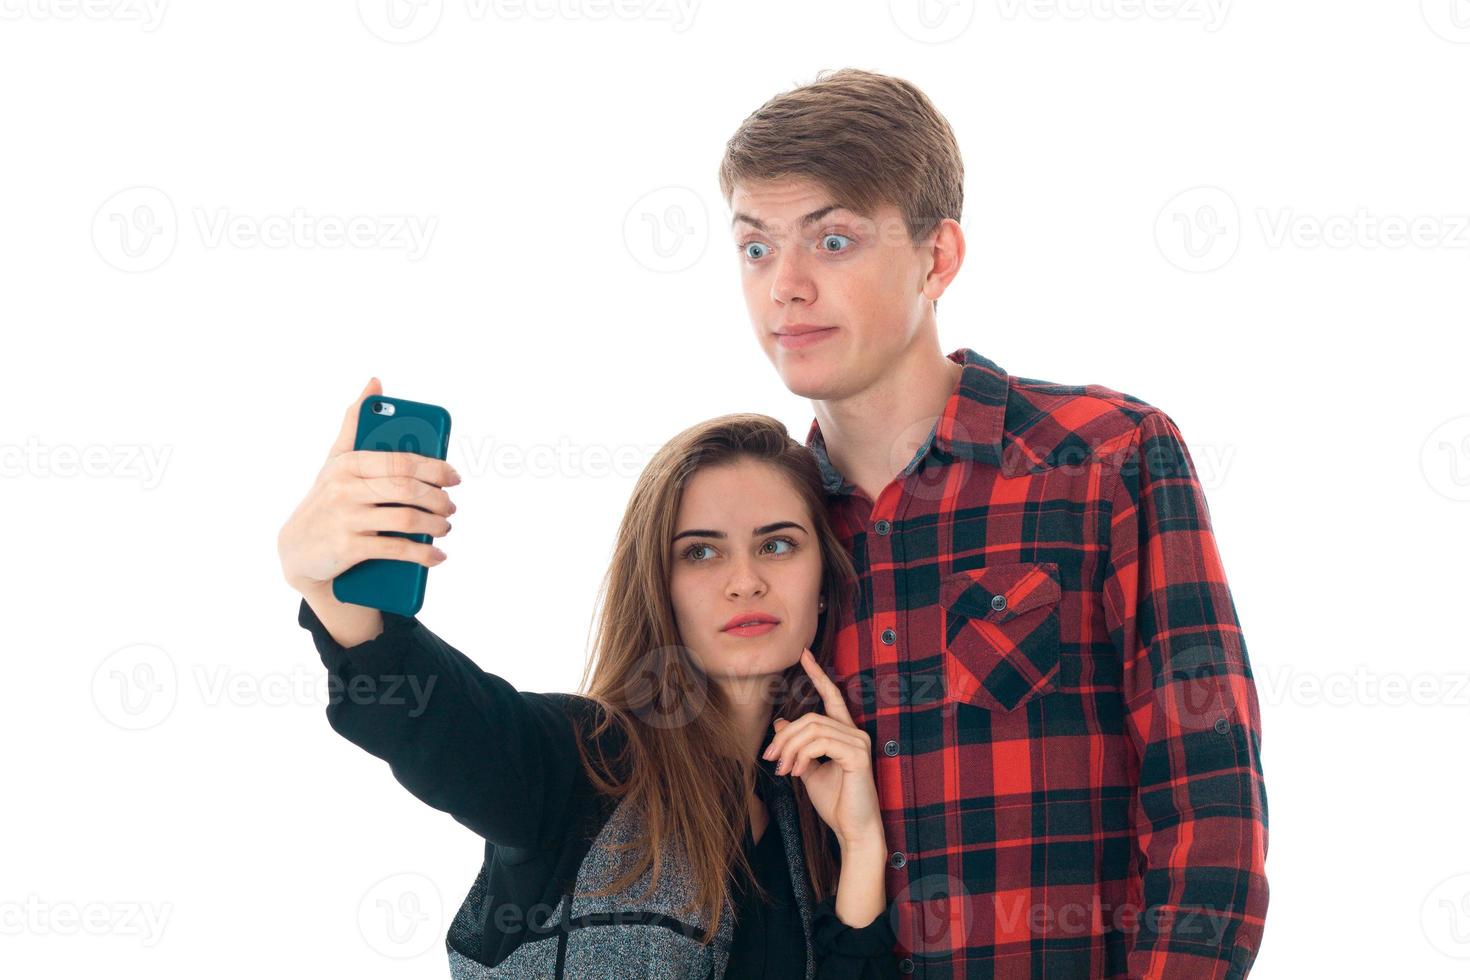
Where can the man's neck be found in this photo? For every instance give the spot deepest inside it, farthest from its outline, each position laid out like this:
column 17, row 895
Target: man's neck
column 871, row 436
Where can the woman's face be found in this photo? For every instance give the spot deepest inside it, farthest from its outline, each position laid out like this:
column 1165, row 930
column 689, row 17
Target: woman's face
column 744, row 545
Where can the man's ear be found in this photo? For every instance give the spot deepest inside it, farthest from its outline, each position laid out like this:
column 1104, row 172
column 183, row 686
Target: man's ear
column 945, row 252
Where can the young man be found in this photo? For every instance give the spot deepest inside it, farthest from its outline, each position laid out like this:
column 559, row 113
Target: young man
column 1044, row 649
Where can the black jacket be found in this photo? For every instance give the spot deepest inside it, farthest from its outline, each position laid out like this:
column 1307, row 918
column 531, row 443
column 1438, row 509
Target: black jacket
column 504, row 764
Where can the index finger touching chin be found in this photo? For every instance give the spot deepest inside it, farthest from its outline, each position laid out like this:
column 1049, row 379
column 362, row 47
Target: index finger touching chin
column 826, row 687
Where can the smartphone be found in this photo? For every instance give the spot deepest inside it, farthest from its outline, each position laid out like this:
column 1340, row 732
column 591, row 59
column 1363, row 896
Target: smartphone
column 394, row 425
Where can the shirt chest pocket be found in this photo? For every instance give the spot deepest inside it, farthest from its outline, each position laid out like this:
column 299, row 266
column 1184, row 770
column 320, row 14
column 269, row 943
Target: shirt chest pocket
column 1002, row 633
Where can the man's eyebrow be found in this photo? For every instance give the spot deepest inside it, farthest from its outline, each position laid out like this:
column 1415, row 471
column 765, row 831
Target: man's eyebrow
column 759, row 225
column 763, row 529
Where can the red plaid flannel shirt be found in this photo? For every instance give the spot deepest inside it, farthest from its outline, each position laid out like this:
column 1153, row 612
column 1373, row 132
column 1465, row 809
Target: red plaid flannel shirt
column 1045, row 653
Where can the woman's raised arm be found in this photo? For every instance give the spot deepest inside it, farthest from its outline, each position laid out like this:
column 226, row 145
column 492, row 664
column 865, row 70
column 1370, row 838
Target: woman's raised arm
column 502, row 762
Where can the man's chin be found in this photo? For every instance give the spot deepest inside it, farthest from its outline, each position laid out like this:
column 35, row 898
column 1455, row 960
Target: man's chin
column 807, row 380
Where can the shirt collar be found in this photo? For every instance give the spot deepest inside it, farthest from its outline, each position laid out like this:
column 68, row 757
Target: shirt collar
column 970, row 427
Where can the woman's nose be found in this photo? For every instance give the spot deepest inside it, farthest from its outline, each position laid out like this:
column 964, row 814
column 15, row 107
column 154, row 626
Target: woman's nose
column 744, row 580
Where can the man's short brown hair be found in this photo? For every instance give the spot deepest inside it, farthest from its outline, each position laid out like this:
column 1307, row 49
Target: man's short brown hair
column 868, row 139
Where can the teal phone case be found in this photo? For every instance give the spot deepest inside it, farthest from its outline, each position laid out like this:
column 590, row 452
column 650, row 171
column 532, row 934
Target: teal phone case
column 412, row 427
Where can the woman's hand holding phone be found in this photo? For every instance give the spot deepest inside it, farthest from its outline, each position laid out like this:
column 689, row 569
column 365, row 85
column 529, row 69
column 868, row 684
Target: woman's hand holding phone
column 336, row 526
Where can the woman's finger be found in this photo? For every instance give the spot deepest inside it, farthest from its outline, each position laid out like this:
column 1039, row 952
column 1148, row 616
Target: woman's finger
column 365, row 546
column 831, row 697
column 380, row 489
column 370, row 463
column 347, row 434
column 793, row 749
column 787, row 730
column 845, row 754
column 404, row 520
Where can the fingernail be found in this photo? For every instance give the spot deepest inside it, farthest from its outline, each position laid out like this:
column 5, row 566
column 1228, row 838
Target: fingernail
column 438, row 554
column 767, row 753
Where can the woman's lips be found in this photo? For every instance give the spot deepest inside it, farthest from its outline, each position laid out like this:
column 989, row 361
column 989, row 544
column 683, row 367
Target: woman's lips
column 791, row 341
column 755, row 629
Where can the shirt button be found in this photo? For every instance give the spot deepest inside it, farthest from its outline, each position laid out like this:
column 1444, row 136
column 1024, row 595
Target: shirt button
column 898, row 859
column 890, row 747
column 905, row 965
column 1222, row 726
column 882, row 527
column 888, row 637
column 997, row 602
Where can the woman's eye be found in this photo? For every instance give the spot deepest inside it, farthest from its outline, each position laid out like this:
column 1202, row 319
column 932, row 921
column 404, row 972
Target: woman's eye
column 690, row 552
column 759, row 250
column 834, row 237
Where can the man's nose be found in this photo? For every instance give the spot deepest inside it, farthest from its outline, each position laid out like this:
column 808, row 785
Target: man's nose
column 792, row 282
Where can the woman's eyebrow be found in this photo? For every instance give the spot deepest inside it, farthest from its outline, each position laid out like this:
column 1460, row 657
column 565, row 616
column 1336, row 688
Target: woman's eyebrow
column 763, row 529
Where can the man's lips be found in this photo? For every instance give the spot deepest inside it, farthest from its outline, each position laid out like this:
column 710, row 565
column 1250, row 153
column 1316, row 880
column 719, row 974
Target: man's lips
column 803, row 335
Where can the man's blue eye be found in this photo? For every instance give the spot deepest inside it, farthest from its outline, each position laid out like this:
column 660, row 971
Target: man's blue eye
column 828, row 238
column 756, row 245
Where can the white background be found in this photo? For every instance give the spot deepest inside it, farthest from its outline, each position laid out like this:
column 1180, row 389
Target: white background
column 168, row 400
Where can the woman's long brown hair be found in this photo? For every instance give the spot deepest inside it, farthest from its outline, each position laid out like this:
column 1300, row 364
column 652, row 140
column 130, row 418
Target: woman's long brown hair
column 675, row 765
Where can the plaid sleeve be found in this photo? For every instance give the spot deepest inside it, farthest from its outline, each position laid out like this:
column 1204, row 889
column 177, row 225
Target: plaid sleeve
column 1192, row 714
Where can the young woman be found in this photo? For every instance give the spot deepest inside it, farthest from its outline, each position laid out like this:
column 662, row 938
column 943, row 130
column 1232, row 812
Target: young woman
column 649, row 826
